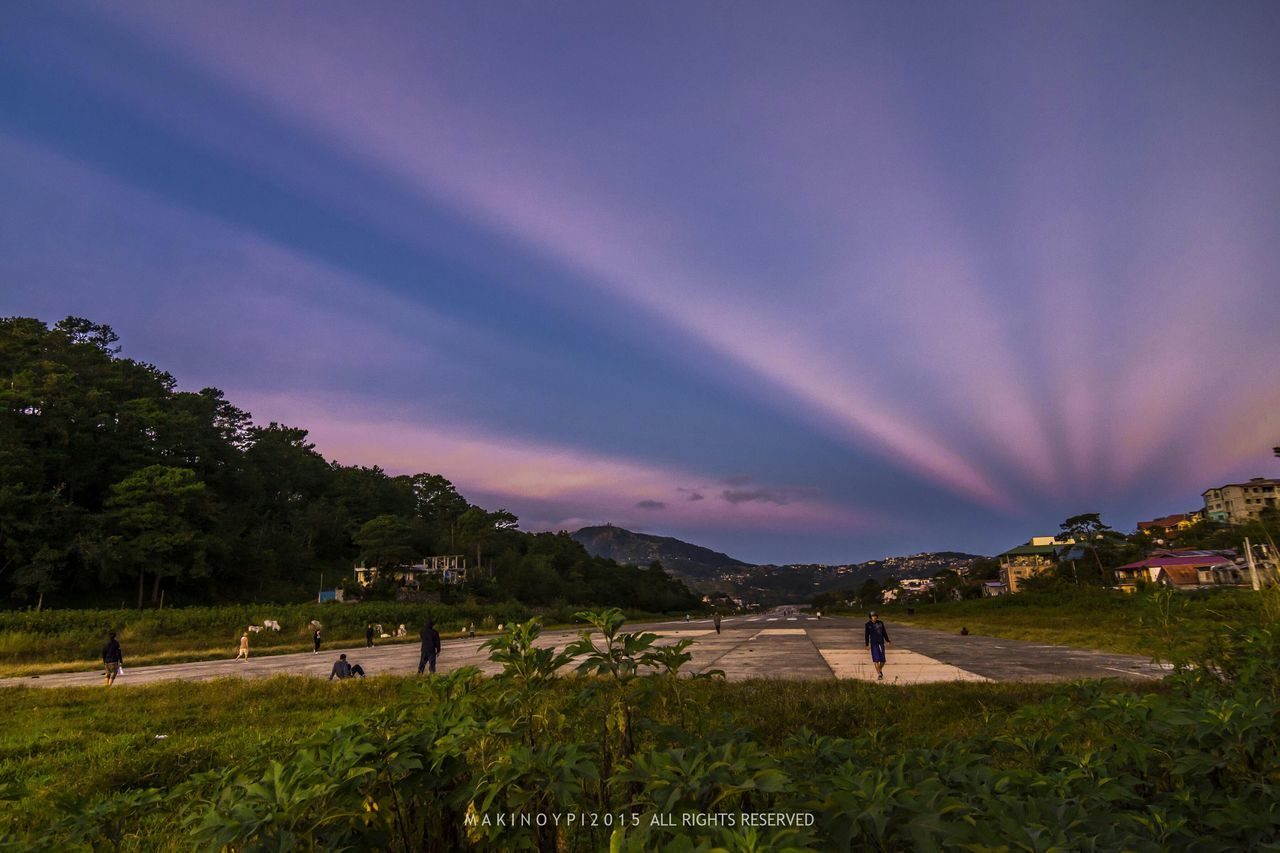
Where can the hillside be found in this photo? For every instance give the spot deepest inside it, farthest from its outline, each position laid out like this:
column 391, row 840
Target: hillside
column 640, row 549
column 707, row 571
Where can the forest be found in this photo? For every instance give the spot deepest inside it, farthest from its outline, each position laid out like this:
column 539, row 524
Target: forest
column 116, row 485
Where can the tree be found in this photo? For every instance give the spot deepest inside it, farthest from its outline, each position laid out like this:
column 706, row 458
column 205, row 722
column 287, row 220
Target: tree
column 386, row 542
column 156, row 517
column 1086, row 529
column 871, row 593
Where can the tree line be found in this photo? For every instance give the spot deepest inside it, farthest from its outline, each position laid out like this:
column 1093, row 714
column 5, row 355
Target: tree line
column 115, row 483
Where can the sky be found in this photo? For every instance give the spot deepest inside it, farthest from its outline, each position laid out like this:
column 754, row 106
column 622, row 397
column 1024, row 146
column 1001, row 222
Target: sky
column 801, row 282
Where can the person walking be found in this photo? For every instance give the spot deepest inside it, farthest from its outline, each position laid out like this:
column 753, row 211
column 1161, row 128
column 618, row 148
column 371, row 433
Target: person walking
column 315, row 639
column 430, row 647
column 716, row 619
column 368, row 636
column 876, row 636
column 244, row 647
column 112, row 659
column 471, row 629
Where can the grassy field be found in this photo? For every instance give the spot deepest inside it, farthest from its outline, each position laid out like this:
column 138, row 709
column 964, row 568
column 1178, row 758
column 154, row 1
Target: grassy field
column 407, row 764
column 71, row 640
column 1162, row 626
column 78, row 744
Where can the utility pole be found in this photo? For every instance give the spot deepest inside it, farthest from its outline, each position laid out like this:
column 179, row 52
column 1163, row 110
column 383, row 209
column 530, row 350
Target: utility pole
column 1253, row 568
column 321, row 592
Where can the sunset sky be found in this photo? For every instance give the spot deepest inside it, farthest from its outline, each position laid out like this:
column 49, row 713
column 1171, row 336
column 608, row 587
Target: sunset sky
column 797, row 281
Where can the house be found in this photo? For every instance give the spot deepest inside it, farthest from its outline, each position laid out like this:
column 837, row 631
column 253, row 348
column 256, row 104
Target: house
column 1237, row 502
column 1180, row 577
column 1040, row 553
column 1170, row 523
column 1182, row 568
column 450, row 570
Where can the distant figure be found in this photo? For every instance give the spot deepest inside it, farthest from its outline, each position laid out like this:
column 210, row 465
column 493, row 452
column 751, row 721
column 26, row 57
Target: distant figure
column 877, row 636
column 471, row 629
column 315, row 639
column 964, row 632
column 430, row 647
column 368, row 636
column 112, row 659
column 716, row 620
column 402, row 631
column 686, row 617
column 342, row 669
column 244, row 647
column 819, row 614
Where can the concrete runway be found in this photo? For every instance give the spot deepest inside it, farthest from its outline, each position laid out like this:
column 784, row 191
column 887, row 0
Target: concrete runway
column 782, row 644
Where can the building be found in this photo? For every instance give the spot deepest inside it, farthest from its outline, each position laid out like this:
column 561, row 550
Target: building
column 450, row 570
column 994, row 589
column 1024, row 561
column 1237, row 502
column 1180, row 568
column 1170, row 523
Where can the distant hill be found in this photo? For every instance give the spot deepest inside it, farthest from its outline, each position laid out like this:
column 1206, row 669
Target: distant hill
column 640, row 549
column 706, row 571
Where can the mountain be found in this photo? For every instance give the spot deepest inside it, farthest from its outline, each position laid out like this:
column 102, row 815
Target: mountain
column 640, row 549
column 707, row 571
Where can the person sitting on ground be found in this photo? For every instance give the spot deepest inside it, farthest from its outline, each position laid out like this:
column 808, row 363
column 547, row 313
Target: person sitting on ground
column 964, row 632
column 343, row 669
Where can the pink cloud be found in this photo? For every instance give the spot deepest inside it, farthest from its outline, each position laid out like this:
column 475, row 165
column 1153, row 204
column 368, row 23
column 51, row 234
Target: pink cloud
column 510, row 471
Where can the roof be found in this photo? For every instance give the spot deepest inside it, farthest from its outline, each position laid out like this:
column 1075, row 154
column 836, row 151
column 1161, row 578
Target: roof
column 1191, row 561
column 1023, row 550
column 1168, row 520
column 1255, row 481
column 1181, row 575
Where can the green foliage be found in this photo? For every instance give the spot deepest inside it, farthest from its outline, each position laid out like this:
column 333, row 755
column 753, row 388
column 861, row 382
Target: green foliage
column 110, row 475
column 386, row 542
column 1193, row 764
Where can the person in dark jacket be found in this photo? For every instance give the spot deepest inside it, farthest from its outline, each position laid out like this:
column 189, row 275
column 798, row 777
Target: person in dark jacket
column 430, row 647
column 716, row 619
column 876, row 635
column 112, row 658
column 368, row 636
column 343, row 668
column 315, row 638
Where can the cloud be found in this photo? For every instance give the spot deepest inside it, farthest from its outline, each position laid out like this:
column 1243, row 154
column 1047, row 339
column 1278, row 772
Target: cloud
column 738, row 496
column 544, row 484
column 696, row 496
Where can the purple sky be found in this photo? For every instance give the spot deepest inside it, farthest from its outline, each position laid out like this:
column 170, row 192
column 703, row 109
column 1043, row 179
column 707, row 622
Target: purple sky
column 802, row 282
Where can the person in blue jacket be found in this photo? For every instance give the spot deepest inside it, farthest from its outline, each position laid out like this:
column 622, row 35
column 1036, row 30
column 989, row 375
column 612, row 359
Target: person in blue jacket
column 877, row 637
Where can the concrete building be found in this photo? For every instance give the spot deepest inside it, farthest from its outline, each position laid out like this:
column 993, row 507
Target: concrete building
column 1024, row 561
column 1237, row 502
column 450, row 570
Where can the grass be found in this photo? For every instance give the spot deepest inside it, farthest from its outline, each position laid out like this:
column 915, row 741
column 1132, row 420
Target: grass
column 52, row 641
column 82, row 742
column 1097, row 619
column 399, row 763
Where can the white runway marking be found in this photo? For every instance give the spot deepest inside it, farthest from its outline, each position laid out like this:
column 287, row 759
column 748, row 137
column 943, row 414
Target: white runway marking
column 901, row 667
